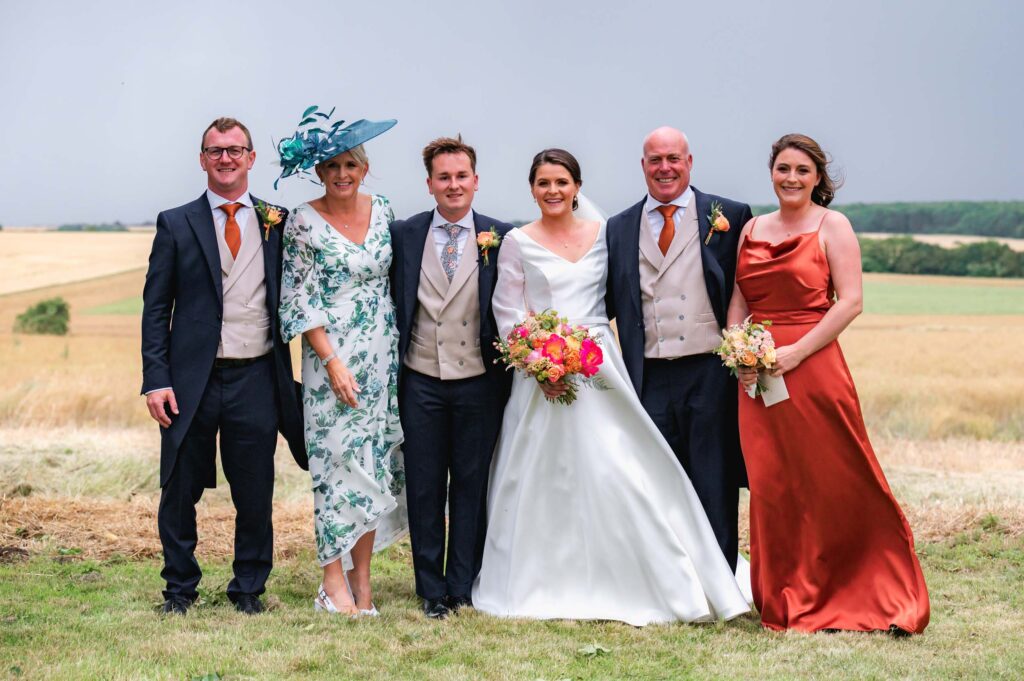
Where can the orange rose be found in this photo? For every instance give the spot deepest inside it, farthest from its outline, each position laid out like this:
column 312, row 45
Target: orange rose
column 748, row 359
column 721, row 224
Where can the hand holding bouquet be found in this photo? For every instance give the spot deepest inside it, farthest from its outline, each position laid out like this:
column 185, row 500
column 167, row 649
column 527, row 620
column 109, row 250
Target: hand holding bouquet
column 749, row 345
column 547, row 348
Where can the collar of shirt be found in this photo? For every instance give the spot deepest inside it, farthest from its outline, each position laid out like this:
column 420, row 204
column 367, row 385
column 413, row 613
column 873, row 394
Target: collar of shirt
column 466, row 222
column 220, row 219
column 683, row 200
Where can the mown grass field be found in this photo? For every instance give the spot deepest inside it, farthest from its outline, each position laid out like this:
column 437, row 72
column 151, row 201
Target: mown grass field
column 79, row 556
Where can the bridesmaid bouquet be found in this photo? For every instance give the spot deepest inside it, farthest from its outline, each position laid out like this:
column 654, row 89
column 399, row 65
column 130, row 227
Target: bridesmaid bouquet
column 547, row 348
column 751, row 345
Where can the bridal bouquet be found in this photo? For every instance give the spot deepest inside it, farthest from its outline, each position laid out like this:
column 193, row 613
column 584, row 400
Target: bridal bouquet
column 750, row 344
column 547, row 348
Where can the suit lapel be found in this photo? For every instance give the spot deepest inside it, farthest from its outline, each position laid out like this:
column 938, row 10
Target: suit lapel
column 685, row 235
column 467, row 268
column 648, row 246
column 414, row 243
column 714, row 277
column 200, row 219
column 246, row 254
column 485, row 273
column 631, row 253
column 269, row 243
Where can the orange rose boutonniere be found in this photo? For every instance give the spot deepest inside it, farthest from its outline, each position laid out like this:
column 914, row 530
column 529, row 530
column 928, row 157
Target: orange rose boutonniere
column 485, row 241
column 719, row 223
column 271, row 217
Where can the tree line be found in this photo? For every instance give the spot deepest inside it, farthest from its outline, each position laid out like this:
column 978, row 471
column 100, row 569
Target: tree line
column 906, row 255
column 979, row 218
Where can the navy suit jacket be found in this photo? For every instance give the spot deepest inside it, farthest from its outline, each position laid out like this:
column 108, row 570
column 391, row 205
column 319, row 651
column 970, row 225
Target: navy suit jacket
column 182, row 316
column 408, row 238
column 718, row 260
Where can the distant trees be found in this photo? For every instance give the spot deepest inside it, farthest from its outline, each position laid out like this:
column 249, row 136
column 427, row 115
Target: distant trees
column 101, row 227
column 905, row 255
column 980, row 218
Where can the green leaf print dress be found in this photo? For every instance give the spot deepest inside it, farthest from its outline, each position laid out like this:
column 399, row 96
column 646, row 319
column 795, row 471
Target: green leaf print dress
column 354, row 457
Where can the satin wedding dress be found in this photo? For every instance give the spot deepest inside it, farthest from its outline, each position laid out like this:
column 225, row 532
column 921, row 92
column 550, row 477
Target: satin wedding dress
column 590, row 515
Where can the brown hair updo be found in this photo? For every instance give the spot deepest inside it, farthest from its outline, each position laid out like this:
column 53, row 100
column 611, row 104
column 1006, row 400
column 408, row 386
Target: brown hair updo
column 558, row 157
column 825, row 191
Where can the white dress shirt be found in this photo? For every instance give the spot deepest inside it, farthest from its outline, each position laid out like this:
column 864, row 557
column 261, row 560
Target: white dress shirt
column 655, row 219
column 441, row 234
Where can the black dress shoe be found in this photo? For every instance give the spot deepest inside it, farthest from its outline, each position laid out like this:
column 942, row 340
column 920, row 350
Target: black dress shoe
column 250, row 604
column 435, row 608
column 176, row 605
column 456, row 603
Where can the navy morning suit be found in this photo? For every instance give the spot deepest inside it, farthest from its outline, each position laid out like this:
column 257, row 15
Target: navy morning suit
column 248, row 405
column 450, row 427
column 692, row 400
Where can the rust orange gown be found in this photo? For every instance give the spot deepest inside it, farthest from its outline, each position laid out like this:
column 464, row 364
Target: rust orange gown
column 829, row 546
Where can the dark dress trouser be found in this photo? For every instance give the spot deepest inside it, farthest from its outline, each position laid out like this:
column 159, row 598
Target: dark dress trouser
column 692, row 401
column 450, row 431
column 240, row 402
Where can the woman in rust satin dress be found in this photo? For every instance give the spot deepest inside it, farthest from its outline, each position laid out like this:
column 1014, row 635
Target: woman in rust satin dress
column 829, row 546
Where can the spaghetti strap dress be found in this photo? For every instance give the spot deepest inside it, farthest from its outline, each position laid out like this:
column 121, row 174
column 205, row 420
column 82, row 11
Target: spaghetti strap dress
column 830, row 547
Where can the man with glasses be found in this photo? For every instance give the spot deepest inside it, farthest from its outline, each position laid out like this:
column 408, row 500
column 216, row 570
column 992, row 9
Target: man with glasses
column 213, row 361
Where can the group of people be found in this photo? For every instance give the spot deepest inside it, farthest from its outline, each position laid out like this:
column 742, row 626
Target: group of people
column 622, row 506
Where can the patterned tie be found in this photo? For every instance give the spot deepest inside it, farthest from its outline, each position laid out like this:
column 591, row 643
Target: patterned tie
column 232, row 233
column 669, row 230
column 450, row 252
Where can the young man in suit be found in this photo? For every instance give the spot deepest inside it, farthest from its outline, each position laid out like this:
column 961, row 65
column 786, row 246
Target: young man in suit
column 213, row 362
column 451, row 394
column 670, row 278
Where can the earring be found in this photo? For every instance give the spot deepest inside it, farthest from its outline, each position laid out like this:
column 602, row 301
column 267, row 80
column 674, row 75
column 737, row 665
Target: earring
column 575, row 203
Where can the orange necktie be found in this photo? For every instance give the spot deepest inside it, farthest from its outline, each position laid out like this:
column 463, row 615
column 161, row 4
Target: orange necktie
column 232, row 233
column 669, row 230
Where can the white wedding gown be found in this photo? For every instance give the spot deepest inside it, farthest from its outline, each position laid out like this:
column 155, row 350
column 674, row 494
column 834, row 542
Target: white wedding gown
column 590, row 516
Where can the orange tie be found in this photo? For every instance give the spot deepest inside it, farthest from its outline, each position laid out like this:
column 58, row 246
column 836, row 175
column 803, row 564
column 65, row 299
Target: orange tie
column 669, row 230
column 232, row 233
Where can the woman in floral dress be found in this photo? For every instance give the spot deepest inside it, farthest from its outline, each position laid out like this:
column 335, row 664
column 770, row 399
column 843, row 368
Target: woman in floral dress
column 335, row 292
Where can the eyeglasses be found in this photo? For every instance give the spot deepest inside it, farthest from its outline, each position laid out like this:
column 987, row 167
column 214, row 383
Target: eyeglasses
column 214, row 153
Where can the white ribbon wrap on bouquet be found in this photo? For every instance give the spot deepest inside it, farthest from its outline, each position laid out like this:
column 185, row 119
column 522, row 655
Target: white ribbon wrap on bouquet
column 773, row 389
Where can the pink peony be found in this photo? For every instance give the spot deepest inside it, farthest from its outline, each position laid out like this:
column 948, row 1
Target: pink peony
column 590, row 357
column 553, row 348
column 533, row 356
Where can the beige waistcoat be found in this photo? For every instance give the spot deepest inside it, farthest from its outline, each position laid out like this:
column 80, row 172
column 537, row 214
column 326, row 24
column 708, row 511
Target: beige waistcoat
column 678, row 318
column 245, row 331
column 445, row 337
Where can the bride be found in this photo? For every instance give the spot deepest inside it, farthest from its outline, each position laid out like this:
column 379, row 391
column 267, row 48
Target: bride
column 590, row 515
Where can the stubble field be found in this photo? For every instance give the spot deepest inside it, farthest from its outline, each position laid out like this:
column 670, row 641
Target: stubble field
column 940, row 385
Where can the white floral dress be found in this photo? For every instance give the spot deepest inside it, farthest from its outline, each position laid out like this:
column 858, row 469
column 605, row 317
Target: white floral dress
column 354, row 458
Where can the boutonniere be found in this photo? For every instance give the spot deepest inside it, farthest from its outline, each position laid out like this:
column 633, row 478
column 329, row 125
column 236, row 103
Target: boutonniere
column 270, row 215
column 719, row 223
column 485, row 241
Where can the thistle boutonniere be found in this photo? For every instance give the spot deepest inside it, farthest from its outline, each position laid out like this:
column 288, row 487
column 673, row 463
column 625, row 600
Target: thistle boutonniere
column 719, row 223
column 271, row 217
column 485, row 241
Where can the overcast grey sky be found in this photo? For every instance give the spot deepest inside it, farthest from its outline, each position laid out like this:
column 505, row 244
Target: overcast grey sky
column 103, row 102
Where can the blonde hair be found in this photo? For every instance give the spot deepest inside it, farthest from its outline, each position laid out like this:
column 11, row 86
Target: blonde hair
column 358, row 153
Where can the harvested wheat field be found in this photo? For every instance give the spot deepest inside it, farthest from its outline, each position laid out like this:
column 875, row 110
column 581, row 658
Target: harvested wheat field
column 33, row 260
column 80, row 557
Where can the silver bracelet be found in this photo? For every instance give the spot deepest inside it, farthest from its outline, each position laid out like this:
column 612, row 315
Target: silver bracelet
column 326, row 360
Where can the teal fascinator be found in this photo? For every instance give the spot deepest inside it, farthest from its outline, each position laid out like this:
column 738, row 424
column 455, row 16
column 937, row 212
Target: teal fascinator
column 312, row 143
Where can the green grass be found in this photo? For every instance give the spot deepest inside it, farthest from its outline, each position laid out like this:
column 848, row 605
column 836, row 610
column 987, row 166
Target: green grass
column 126, row 306
column 83, row 619
column 908, row 298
